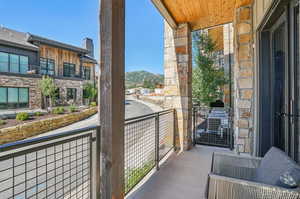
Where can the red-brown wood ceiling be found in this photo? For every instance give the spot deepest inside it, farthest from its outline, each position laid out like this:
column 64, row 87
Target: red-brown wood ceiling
column 203, row 13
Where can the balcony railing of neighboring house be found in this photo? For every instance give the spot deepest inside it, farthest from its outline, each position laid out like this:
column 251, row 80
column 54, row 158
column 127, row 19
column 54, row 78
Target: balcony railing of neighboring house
column 213, row 126
column 65, row 165
column 35, row 69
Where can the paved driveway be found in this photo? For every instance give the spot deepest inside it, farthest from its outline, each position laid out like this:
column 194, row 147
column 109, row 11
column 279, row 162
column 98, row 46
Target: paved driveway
column 133, row 109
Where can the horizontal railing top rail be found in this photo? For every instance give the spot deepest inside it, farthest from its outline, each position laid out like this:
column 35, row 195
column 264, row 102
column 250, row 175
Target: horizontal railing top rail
column 149, row 115
column 38, row 140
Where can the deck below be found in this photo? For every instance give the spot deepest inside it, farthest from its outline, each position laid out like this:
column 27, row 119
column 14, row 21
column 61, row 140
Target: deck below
column 181, row 176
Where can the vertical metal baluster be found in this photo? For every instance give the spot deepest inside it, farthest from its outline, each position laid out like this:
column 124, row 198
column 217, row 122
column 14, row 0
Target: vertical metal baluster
column 194, row 126
column 157, row 141
column 98, row 164
column 174, row 129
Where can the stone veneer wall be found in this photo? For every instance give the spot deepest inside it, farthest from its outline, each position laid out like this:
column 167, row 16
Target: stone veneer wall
column 63, row 84
column 35, row 100
column 243, row 79
column 30, row 129
column 178, row 81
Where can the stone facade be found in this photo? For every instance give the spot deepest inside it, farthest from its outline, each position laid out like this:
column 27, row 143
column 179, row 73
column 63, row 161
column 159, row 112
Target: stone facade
column 23, row 131
column 63, row 84
column 35, row 101
column 243, row 79
column 35, row 96
column 178, row 80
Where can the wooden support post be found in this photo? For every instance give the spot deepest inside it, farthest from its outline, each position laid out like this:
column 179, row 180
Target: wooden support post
column 112, row 96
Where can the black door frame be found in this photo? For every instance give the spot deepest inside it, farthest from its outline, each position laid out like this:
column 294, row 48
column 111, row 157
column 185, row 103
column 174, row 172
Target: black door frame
column 281, row 21
column 294, row 69
column 284, row 9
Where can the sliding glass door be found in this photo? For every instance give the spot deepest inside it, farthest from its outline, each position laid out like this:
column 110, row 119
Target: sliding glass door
column 295, row 74
column 279, row 82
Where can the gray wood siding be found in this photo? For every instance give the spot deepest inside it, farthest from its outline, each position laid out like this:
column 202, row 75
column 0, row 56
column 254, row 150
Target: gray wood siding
column 32, row 55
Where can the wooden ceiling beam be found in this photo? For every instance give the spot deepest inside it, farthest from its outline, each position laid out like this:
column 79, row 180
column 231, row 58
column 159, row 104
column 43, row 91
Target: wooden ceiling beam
column 165, row 13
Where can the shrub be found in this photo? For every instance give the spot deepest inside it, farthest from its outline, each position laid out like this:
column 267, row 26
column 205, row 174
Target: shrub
column 38, row 114
column 22, row 116
column 90, row 91
column 58, row 110
column 133, row 176
column 2, row 122
column 93, row 104
column 72, row 108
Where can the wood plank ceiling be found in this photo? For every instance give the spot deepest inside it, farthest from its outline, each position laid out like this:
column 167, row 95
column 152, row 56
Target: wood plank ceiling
column 203, row 13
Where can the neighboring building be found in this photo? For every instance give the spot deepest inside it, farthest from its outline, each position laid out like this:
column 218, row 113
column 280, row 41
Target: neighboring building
column 25, row 58
column 159, row 91
column 145, row 91
column 131, row 91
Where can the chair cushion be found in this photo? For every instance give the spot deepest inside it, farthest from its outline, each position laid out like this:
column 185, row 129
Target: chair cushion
column 290, row 179
column 273, row 165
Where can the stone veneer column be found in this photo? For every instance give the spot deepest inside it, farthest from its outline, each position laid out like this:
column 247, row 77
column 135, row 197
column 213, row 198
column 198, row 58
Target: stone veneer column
column 178, row 81
column 243, row 79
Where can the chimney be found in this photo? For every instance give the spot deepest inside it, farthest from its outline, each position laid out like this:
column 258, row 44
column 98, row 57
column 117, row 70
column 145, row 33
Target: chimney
column 89, row 45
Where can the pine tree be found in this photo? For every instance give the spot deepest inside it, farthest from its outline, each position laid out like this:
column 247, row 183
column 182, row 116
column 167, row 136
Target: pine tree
column 208, row 80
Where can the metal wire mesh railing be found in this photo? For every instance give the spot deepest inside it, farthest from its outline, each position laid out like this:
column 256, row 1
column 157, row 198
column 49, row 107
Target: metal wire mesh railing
column 147, row 140
column 67, row 165
column 50, row 167
column 166, row 133
column 213, row 126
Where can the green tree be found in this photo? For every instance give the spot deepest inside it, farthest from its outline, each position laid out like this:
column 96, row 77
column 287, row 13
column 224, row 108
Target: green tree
column 149, row 84
column 48, row 89
column 90, row 92
column 208, row 80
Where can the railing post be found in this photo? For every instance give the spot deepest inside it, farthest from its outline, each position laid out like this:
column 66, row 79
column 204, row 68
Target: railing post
column 157, row 141
column 98, row 162
column 174, row 129
column 95, row 160
column 194, row 126
column 231, row 130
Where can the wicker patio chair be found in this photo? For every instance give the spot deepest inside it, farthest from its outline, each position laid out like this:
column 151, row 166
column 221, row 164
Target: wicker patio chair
column 231, row 178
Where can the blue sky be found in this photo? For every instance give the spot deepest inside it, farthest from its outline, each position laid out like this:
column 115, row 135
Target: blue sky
column 70, row 21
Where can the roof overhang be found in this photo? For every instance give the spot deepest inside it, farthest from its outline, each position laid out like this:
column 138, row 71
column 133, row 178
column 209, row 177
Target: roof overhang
column 17, row 45
column 35, row 38
column 89, row 59
column 200, row 14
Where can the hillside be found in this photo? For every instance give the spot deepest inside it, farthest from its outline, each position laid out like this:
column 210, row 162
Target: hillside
column 143, row 79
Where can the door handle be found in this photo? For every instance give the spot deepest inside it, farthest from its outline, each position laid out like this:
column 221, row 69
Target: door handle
column 279, row 114
column 287, row 115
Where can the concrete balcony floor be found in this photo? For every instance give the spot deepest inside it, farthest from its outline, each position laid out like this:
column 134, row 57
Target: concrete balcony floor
column 181, row 176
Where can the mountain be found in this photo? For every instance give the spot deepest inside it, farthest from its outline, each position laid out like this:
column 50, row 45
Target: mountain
column 143, row 79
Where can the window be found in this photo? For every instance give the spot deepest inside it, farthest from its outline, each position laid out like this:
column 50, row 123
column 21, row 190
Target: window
column 69, row 70
column 47, row 66
column 71, row 94
column 23, row 64
column 13, row 63
column 14, row 97
column 4, row 62
column 86, row 73
column 57, row 94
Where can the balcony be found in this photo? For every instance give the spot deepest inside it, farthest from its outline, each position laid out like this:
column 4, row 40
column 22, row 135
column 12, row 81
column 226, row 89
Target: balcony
column 36, row 70
column 67, row 165
column 181, row 176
